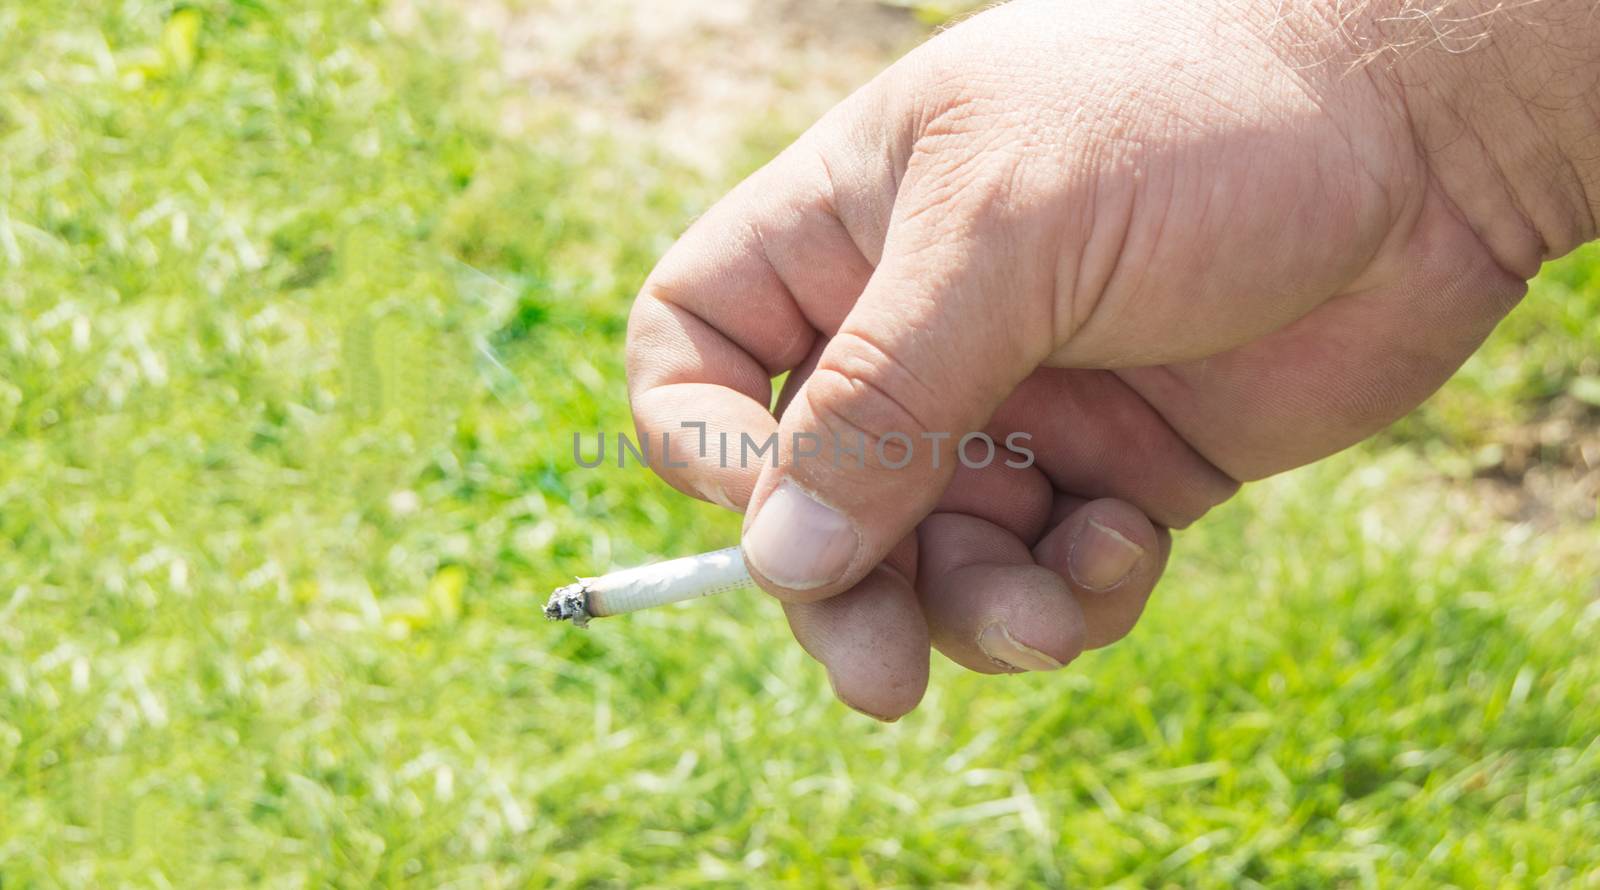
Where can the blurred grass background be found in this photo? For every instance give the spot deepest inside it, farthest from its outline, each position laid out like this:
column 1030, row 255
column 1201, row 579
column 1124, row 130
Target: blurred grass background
column 301, row 302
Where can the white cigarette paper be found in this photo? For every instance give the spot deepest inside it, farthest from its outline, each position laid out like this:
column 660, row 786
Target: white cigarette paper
column 657, row 584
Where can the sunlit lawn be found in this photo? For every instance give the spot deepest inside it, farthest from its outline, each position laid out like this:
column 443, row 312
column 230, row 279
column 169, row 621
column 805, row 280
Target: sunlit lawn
column 295, row 336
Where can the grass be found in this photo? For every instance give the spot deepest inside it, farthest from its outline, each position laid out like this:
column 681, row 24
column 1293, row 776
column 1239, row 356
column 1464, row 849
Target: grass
column 295, row 338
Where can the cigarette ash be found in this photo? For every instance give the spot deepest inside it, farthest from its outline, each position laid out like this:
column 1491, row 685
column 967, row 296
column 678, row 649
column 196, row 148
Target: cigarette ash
column 569, row 603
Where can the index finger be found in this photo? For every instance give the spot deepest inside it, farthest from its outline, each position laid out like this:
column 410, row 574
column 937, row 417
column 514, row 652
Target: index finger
column 752, row 290
column 745, row 293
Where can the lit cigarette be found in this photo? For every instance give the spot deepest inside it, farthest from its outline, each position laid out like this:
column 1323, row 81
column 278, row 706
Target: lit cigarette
column 657, row 584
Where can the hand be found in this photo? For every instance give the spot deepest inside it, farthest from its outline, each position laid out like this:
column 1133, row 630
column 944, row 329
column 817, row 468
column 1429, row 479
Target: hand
column 1180, row 246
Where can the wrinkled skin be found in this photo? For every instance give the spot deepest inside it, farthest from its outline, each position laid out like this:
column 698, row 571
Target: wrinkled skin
column 1182, row 245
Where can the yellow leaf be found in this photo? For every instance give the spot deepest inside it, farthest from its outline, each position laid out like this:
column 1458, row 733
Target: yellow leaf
column 307, row 591
column 180, row 40
column 444, row 593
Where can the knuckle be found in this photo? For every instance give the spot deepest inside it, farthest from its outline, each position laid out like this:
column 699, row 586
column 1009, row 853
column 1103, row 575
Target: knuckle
column 862, row 389
column 648, row 336
column 1208, row 490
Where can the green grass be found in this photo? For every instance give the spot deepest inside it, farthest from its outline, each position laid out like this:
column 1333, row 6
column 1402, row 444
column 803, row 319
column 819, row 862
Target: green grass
column 294, row 339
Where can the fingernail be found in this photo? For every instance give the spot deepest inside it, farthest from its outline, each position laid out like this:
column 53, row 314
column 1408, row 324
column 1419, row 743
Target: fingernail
column 798, row 543
column 1101, row 558
column 998, row 643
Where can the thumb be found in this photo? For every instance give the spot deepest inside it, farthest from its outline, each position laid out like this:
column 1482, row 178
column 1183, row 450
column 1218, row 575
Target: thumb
column 935, row 343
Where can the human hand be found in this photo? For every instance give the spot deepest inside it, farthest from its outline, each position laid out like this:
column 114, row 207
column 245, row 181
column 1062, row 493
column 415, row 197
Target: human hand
column 1181, row 246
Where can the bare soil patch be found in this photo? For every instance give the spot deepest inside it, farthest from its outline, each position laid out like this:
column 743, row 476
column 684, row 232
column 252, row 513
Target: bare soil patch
column 691, row 78
column 1548, row 471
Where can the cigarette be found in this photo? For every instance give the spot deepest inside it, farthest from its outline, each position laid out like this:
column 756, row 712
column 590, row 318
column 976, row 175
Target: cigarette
column 657, row 584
